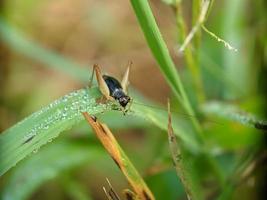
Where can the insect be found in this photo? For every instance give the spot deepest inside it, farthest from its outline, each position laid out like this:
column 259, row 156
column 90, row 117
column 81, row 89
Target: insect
column 111, row 88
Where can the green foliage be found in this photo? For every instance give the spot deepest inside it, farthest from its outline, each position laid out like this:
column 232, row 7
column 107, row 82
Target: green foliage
column 157, row 44
column 210, row 148
column 51, row 161
column 232, row 113
column 170, row 187
column 43, row 126
column 160, row 119
column 161, row 53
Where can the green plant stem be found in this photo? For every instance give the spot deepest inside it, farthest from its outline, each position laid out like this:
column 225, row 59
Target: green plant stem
column 161, row 53
column 176, row 152
column 189, row 58
column 195, row 15
column 226, row 44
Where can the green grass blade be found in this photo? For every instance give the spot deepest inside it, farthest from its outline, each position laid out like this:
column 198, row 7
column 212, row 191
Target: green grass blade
column 48, row 163
column 41, row 127
column 19, row 43
column 161, row 53
column 233, row 113
column 156, row 43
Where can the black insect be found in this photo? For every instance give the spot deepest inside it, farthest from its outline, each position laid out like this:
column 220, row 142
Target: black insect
column 116, row 91
column 111, row 88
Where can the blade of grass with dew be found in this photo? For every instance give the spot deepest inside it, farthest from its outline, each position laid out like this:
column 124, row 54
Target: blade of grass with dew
column 19, row 43
column 53, row 160
column 234, row 113
column 41, row 127
column 161, row 53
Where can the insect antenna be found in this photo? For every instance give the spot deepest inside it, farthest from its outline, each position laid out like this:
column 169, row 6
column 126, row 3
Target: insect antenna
column 185, row 115
column 260, row 125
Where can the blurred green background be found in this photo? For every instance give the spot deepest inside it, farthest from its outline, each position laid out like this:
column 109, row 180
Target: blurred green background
column 48, row 48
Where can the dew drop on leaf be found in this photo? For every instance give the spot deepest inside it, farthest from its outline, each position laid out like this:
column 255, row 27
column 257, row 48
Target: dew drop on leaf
column 35, row 150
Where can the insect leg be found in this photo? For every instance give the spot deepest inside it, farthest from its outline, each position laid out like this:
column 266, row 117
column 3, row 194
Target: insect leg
column 101, row 83
column 125, row 79
column 91, row 78
column 125, row 110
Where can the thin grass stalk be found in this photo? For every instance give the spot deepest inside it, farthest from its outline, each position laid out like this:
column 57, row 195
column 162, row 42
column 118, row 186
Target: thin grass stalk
column 205, row 7
column 192, row 63
column 195, row 13
column 177, row 156
column 225, row 43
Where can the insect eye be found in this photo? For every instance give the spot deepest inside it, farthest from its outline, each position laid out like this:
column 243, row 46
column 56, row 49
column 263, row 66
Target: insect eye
column 124, row 100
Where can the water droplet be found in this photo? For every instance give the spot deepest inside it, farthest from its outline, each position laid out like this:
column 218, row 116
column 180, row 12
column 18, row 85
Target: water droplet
column 65, row 99
column 46, row 126
column 35, row 150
